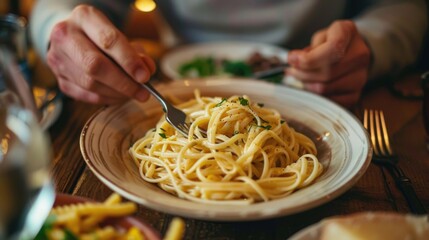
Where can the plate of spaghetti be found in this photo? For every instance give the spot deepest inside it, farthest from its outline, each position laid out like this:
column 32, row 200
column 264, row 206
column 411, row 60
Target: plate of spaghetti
column 254, row 151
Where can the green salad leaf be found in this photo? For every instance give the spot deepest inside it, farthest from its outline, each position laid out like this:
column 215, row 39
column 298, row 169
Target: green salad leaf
column 237, row 68
column 209, row 66
column 198, row 67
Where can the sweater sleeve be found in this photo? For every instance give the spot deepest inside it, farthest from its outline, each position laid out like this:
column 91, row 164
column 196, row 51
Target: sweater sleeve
column 47, row 13
column 394, row 33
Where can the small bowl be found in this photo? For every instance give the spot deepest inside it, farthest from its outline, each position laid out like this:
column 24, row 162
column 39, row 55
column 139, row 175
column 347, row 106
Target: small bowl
column 120, row 223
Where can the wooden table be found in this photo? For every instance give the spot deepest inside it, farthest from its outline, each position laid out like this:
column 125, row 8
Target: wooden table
column 375, row 191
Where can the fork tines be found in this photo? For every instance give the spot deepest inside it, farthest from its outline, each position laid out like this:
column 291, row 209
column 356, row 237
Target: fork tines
column 375, row 124
column 184, row 128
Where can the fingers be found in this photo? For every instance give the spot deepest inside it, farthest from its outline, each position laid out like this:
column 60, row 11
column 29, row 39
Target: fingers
column 327, row 47
column 83, row 63
column 112, row 42
column 357, row 56
column 318, row 38
column 94, row 62
column 149, row 62
column 96, row 92
column 75, row 91
column 347, row 83
column 345, row 90
column 335, row 65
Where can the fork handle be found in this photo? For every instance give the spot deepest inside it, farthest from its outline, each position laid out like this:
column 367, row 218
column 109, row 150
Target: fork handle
column 404, row 184
column 416, row 207
column 157, row 95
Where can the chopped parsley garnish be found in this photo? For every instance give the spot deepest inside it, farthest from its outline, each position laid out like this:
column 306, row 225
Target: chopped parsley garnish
column 162, row 129
column 282, row 121
column 162, row 135
column 267, row 127
column 263, row 120
column 220, row 103
column 260, row 104
column 243, row 101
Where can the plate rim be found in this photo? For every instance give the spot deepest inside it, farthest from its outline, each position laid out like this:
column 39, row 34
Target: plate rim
column 351, row 181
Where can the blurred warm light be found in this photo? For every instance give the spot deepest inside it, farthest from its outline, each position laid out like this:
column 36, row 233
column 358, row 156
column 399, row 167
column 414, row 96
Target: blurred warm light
column 4, row 145
column 145, row 5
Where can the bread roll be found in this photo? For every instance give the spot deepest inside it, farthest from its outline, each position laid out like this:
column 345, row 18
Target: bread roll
column 375, row 225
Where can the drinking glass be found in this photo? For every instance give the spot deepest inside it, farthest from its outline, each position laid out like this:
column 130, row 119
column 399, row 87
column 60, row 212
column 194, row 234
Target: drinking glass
column 14, row 36
column 26, row 191
column 25, row 188
column 12, row 78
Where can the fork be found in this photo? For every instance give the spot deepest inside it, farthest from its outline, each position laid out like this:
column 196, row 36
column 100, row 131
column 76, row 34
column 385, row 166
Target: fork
column 174, row 116
column 375, row 124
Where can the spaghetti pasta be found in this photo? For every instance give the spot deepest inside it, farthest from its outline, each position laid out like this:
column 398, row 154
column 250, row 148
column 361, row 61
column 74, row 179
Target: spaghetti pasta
column 237, row 152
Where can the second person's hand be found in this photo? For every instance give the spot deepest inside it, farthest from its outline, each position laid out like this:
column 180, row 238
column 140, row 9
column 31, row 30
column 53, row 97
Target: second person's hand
column 94, row 62
column 335, row 65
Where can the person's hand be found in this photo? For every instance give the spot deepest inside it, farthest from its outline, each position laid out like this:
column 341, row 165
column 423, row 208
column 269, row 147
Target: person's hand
column 94, row 62
column 335, row 65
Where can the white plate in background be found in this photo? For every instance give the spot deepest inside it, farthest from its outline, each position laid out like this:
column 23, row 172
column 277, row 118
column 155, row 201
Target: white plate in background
column 172, row 60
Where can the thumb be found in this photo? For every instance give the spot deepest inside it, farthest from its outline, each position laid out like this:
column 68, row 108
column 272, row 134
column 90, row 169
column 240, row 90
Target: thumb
column 149, row 62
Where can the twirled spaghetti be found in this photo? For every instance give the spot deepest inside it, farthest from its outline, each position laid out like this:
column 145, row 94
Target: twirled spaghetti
column 237, row 152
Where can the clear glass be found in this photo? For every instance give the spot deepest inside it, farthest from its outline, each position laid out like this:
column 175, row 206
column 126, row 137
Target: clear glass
column 14, row 36
column 26, row 191
column 12, row 78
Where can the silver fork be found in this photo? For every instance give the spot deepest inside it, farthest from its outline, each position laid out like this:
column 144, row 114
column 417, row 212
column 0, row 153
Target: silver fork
column 174, row 116
column 375, row 124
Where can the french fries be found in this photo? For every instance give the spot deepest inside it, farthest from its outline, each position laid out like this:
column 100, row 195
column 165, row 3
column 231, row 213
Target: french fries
column 85, row 220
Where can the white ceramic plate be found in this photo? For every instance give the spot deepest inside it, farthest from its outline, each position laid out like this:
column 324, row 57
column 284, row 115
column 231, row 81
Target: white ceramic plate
column 171, row 62
column 340, row 138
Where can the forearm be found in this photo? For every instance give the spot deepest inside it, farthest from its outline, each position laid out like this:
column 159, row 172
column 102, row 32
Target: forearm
column 47, row 13
column 394, row 33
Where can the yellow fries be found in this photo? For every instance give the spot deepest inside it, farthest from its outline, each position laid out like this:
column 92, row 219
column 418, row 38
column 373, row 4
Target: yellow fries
column 175, row 230
column 83, row 221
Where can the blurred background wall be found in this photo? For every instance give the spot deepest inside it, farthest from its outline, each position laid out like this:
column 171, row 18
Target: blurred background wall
column 144, row 11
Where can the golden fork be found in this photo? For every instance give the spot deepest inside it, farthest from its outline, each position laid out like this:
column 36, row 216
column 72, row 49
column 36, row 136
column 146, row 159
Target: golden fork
column 375, row 124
